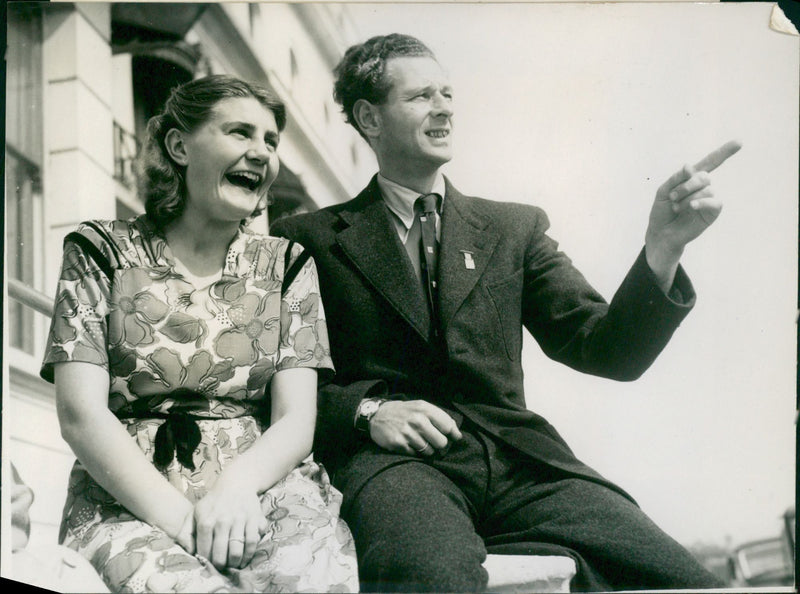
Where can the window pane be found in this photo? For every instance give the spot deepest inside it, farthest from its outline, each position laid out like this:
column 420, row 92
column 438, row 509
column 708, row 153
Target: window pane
column 23, row 158
column 24, row 119
column 21, row 191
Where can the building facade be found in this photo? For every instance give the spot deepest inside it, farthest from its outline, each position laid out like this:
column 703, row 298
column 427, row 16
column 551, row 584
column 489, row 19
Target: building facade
column 82, row 81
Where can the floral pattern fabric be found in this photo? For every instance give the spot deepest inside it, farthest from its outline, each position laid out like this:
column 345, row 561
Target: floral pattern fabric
column 122, row 303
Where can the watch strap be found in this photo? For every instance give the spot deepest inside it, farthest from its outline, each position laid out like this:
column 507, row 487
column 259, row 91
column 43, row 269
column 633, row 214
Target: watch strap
column 363, row 418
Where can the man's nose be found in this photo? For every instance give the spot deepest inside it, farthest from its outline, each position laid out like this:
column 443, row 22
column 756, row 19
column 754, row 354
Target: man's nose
column 442, row 105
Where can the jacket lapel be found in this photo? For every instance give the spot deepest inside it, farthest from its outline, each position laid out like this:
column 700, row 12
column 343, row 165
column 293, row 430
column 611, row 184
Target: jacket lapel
column 467, row 241
column 371, row 243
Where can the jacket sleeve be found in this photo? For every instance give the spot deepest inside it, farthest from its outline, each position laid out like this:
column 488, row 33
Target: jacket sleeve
column 574, row 324
column 335, row 437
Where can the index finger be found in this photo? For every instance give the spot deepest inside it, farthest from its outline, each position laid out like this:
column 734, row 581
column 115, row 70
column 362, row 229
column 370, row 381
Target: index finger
column 204, row 539
column 716, row 158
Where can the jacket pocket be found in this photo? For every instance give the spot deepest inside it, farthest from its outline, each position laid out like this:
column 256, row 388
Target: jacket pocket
column 506, row 296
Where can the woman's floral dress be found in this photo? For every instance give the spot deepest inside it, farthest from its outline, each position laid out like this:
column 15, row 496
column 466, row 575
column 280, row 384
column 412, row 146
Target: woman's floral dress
column 186, row 357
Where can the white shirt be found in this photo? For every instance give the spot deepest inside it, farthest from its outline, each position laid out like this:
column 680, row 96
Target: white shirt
column 400, row 201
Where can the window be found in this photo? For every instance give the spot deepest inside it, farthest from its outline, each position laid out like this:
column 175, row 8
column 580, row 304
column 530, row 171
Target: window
column 160, row 59
column 126, row 148
column 154, row 77
column 24, row 155
column 23, row 194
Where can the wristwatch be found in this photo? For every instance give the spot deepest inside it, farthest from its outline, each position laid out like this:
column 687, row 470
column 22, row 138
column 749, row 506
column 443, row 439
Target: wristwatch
column 366, row 410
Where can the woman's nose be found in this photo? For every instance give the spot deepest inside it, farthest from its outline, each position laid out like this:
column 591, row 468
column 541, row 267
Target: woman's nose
column 258, row 151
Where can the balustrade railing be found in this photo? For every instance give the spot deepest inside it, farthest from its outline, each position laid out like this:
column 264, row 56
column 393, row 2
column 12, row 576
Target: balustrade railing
column 126, row 147
column 29, row 296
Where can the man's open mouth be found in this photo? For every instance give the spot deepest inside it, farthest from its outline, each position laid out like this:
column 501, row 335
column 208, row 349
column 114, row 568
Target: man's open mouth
column 438, row 133
column 244, row 179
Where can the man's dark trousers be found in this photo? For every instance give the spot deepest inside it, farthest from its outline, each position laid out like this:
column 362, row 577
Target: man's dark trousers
column 447, row 512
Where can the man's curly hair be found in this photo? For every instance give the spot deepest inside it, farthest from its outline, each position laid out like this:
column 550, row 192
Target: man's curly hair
column 361, row 73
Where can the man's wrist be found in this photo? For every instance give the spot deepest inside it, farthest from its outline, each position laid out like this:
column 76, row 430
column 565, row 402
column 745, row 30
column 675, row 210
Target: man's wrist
column 365, row 411
column 663, row 263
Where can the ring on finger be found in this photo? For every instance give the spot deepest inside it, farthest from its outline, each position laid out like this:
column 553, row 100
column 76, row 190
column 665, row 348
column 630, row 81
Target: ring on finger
column 422, row 449
column 236, row 540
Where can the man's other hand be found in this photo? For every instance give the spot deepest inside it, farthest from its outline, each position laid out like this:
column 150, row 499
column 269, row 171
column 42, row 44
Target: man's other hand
column 684, row 207
column 413, row 427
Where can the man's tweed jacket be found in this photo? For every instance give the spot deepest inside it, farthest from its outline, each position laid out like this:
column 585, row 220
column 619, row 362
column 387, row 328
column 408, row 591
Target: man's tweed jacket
column 498, row 271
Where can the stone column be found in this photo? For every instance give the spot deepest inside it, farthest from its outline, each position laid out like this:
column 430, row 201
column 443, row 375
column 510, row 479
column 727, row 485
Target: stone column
column 78, row 131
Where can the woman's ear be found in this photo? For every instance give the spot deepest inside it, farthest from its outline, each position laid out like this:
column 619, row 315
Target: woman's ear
column 367, row 117
column 176, row 147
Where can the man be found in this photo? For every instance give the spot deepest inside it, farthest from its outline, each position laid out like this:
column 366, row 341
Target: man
column 425, row 428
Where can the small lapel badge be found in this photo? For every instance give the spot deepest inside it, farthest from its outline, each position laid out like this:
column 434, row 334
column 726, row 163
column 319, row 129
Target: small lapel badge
column 469, row 263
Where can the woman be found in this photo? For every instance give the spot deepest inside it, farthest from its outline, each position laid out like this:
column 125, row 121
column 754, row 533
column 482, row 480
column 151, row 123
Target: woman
column 185, row 350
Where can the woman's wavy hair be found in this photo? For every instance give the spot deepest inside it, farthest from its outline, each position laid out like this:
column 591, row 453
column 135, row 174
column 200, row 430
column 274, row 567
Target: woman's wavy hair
column 161, row 181
column 361, row 73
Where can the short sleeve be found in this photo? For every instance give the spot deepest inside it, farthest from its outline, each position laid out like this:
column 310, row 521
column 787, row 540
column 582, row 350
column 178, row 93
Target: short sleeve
column 304, row 333
column 79, row 327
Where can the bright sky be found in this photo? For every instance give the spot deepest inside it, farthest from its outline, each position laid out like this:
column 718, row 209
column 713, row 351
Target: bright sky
column 584, row 110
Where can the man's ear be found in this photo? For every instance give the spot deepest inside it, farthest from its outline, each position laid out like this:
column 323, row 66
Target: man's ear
column 367, row 117
column 176, row 147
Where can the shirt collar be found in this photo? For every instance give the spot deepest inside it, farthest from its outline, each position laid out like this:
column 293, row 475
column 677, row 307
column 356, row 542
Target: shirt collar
column 400, row 199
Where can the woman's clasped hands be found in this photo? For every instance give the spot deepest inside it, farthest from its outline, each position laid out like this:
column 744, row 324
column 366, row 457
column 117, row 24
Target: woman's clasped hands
column 224, row 527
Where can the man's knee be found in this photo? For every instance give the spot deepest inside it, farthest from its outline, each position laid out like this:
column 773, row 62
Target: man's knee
column 414, row 532
column 417, row 566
